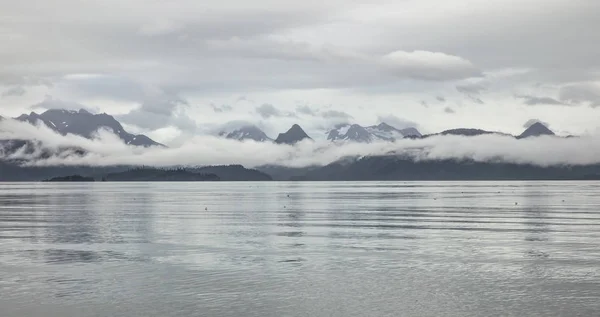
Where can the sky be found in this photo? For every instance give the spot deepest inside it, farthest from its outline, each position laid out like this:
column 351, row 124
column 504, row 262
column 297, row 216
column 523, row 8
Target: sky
column 176, row 70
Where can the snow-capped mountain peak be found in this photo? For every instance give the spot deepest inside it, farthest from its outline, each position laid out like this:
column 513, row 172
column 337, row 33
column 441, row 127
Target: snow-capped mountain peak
column 249, row 132
column 349, row 132
column 381, row 132
column 385, row 132
column 411, row 133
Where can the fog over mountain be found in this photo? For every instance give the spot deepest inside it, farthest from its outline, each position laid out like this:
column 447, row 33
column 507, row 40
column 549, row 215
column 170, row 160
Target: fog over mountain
column 106, row 148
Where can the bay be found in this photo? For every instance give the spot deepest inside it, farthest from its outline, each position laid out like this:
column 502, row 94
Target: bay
column 300, row 249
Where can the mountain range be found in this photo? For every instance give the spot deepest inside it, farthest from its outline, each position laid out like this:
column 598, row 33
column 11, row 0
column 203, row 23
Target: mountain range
column 381, row 167
column 251, row 132
column 85, row 124
column 248, row 132
column 356, row 133
column 402, row 167
column 380, row 132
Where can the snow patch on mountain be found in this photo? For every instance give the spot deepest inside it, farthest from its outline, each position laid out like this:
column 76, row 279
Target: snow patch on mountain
column 380, row 132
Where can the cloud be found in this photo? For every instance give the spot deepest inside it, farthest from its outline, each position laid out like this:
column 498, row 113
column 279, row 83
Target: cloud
column 533, row 100
column 235, row 124
column 531, row 122
column 10, row 78
column 471, row 88
column 397, row 122
column 161, row 102
column 440, row 98
column 231, row 126
column 334, row 114
column 16, row 91
column 449, row 110
column 416, row 65
column 159, row 27
column 159, row 109
column 305, row 110
column 220, row 109
column 424, row 103
column 476, row 100
column 53, row 103
column 267, row 111
column 103, row 86
column 266, row 48
column 472, row 91
column 581, row 93
column 156, row 120
column 107, row 149
column 424, row 65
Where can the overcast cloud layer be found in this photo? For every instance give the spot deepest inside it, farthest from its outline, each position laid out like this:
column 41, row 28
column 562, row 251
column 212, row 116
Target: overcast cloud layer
column 179, row 69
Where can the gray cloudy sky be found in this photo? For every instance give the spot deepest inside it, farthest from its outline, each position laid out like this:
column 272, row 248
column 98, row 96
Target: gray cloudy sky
column 179, row 68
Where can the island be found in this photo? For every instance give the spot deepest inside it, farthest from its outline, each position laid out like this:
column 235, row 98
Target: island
column 72, row 178
column 149, row 174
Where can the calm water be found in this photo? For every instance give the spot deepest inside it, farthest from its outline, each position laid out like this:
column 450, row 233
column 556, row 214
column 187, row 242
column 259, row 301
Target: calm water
column 329, row 249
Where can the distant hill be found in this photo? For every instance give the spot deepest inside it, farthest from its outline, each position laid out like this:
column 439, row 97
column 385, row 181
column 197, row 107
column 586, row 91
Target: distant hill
column 228, row 173
column 234, row 173
column 12, row 172
column 85, row 124
column 292, row 136
column 72, row 178
column 146, row 174
column 537, row 129
column 467, row 132
column 284, row 173
column 393, row 167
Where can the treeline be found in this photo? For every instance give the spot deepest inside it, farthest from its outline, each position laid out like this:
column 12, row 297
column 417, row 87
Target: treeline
column 153, row 174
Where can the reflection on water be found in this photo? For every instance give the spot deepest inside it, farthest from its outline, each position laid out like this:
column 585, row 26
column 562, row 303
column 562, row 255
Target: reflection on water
column 300, row 249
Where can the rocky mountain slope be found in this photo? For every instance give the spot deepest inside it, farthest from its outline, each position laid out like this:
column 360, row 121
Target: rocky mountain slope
column 85, row 124
column 292, row 136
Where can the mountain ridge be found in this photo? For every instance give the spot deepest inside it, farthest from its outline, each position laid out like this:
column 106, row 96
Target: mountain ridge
column 246, row 132
column 381, row 132
column 535, row 130
column 85, row 124
column 292, row 136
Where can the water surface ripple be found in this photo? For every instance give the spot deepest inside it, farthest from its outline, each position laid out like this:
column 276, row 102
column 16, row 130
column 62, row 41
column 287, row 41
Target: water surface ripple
column 300, row 249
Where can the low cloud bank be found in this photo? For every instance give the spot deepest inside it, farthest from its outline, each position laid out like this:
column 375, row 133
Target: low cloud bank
column 107, row 149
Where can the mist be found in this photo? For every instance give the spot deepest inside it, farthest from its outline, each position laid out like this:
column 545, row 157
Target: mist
column 106, row 149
